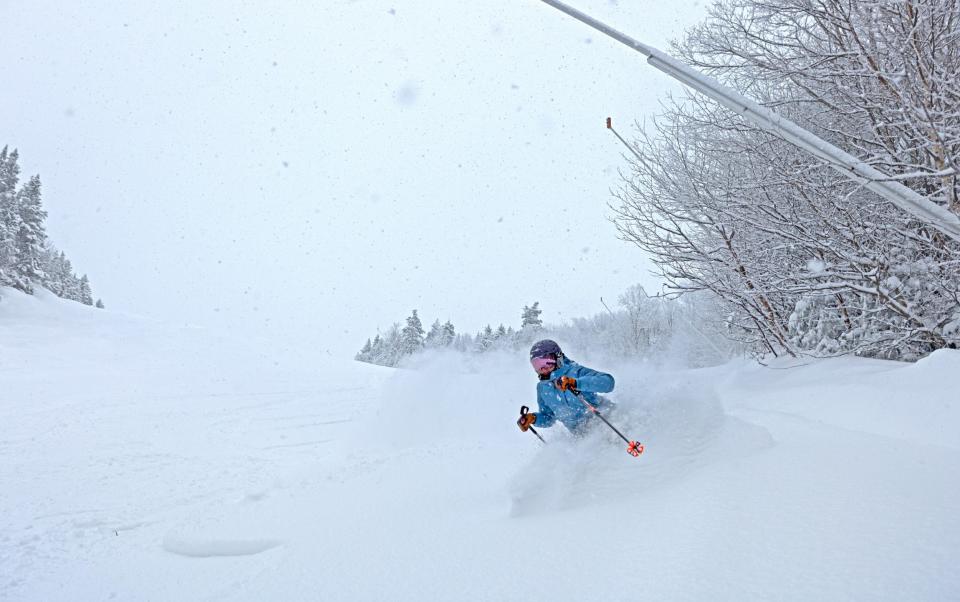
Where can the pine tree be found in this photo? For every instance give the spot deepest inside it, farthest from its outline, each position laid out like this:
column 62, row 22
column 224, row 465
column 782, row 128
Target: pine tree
column 411, row 338
column 86, row 295
column 26, row 257
column 531, row 324
column 69, row 285
column 435, row 336
column 463, row 343
column 485, row 339
column 364, row 354
column 47, row 261
column 449, row 334
column 9, row 216
column 30, row 236
column 531, row 317
column 392, row 351
column 376, row 350
column 99, row 304
column 56, row 270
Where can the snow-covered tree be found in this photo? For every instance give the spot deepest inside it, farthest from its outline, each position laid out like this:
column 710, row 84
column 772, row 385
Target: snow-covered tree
column 9, row 216
column 66, row 282
column 530, row 324
column 26, row 257
column 364, row 355
column 86, row 296
column 805, row 260
column 434, row 337
column 463, row 343
column 30, row 236
column 530, row 318
column 391, row 350
column 448, row 334
column 411, row 338
column 376, row 353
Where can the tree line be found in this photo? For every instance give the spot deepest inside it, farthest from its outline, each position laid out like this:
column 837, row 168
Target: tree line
column 690, row 330
column 27, row 257
column 391, row 347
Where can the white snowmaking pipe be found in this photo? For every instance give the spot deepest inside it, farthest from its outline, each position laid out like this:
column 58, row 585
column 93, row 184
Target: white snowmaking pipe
column 842, row 161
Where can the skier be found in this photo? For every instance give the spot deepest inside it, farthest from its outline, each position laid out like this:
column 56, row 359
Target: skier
column 563, row 383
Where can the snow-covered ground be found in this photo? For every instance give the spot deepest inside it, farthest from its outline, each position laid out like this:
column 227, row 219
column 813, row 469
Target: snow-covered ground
column 142, row 461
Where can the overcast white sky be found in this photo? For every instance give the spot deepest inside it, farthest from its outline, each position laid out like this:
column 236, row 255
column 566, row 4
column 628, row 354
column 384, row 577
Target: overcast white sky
column 317, row 169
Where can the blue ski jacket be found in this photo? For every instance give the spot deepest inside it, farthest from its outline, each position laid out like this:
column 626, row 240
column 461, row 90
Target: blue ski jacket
column 565, row 406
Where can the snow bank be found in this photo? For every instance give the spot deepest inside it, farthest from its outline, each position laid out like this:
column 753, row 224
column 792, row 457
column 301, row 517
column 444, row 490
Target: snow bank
column 916, row 403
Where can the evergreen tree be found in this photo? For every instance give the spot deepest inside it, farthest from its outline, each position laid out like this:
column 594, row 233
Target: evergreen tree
column 99, row 304
column 86, row 295
column 411, row 338
column 449, row 335
column 376, row 350
column 66, row 281
column 392, row 349
column 463, row 343
column 9, row 216
column 30, row 236
column 531, row 317
column 26, row 257
column 530, row 324
column 47, row 259
column 9, row 170
column 435, row 336
column 53, row 270
column 364, row 354
column 485, row 339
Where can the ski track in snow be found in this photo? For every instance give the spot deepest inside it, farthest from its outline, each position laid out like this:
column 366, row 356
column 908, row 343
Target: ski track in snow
column 140, row 463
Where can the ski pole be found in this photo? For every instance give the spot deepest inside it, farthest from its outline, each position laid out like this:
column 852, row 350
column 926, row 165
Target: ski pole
column 523, row 412
column 634, row 448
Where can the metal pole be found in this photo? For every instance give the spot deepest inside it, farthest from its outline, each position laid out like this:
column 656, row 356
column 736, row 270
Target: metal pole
column 769, row 121
column 625, row 143
column 634, row 447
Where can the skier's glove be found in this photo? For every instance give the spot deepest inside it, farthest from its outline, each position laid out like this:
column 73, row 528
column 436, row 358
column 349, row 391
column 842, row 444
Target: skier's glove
column 565, row 383
column 526, row 421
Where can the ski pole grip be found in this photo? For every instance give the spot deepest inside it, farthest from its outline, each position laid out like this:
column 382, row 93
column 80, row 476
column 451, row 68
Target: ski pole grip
column 523, row 412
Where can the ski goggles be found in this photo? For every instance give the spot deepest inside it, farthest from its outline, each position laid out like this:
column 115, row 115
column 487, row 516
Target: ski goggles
column 542, row 363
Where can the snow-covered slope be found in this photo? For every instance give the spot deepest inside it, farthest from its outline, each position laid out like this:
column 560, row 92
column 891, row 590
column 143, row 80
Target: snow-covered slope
column 140, row 461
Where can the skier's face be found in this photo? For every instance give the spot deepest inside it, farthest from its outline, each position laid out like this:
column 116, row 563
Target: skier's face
column 544, row 365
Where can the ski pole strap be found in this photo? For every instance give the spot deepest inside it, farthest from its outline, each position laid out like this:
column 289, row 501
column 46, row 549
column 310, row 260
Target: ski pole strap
column 524, row 410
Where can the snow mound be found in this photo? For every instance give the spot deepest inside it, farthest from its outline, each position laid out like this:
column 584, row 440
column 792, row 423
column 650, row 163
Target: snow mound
column 206, row 548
